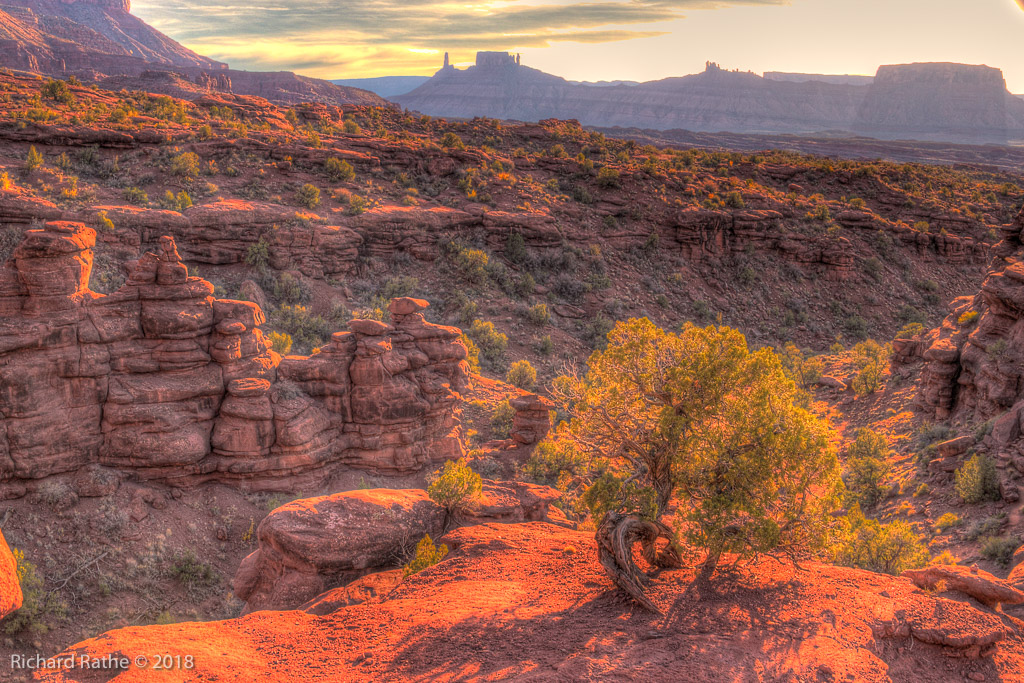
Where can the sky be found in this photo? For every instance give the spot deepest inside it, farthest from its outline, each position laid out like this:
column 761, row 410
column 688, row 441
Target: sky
column 596, row 39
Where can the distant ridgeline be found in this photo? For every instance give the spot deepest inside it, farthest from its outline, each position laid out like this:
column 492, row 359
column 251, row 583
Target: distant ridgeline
column 930, row 101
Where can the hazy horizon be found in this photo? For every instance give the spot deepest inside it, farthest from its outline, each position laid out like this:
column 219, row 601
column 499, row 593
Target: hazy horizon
column 637, row 40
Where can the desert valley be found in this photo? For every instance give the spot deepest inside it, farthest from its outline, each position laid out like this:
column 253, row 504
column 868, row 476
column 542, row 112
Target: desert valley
column 504, row 376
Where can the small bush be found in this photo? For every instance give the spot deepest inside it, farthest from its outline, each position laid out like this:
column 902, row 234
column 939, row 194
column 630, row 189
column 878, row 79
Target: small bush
column 308, row 196
column 455, row 486
column 867, row 468
column 947, row 522
column 492, row 344
column 734, row 200
column 34, row 160
column 522, row 375
column 501, row 420
column 280, row 342
column 357, row 205
column 191, row 572
column 977, row 480
column 38, row 605
column 608, row 177
column 134, row 195
column 871, row 360
column 515, row 247
column 452, row 141
column 58, row 91
column 538, row 314
column 967, row 319
column 186, row 165
column 258, row 254
column 427, row 555
column 887, row 548
column 909, row 331
column 339, row 170
column 999, row 549
column 472, row 263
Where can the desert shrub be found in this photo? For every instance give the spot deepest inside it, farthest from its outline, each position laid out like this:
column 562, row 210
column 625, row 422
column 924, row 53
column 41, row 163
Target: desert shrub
column 947, row 522
column 176, row 202
column 967, row 319
column 887, row 548
column 802, row 369
column 502, row 418
column 308, row 196
column 455, row 486
column 545, row 346
column 191, row 571
column 5, row 181
column 608, row 177
column 280, row 342
column 58, row 91
column 399, row 286
column 538, row 314
column 472, row 354
column 33, row 160
column 258, row 254
column 357, row 204
column 871, row 360
column 452, row 141
column 873, row 267
column 734, row 200
column 867, row 468
column 909, row 331
column 339, row 170
column 977, row 480
column 492, row 344
column 104, row 222
column 38, row 606
column 698, row 414
column 427, row 555
column 472, row 264
column 944, row 558
column 515, row 247
column 350, row 126
column 134, row 195
column 521, row 374
column 186, row 165
column 307, row 331
column 999, row 549
column 289, row 289
column 856, row 326
column 553, row 463
column 990, row 526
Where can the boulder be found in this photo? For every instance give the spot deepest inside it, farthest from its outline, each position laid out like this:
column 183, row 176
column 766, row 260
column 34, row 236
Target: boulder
column 980, row 585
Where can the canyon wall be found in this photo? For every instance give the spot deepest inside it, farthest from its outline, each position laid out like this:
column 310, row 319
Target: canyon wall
column 162, row 379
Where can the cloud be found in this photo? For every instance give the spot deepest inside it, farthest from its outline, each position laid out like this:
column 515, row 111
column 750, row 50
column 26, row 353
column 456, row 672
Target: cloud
column 320, row 35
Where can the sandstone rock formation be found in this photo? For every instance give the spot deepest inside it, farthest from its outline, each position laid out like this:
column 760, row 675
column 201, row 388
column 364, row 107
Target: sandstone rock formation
column 310, row 546
column 980, row 585
column 950, row 102
column 532, row 419
column 10, row 589
column 530, row 601
column 162, row 379
column 974, row 363
column 96, row 38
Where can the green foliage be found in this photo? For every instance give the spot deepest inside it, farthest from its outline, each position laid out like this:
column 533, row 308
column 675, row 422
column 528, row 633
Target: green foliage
column 134, row 195
column 804, row 370
column 867, row 468
column 58, row 91
column 282, row 343
column 521, row 374
column 734, row 200
column 39, row 607
column 307, row 331
column 452, row 141
column 909, row 331
column 176, row 202
column 999, row 549
column 871, row 360
column 357, row 204
column 308, row 196
column 427, row 555
column 472, row 353
column 947, row 522
column 455, row 486
column 545, row 346
column 553, row 463
column 492, row 344
column 977, row 480
column 501, row 419
column 186, row 165
column 608, row 177
column 258, row 254
column 34, row 160
column 351, row 127
column 191, row 571
column 887, row 548
column 515, row 247
column 968, row 319
column 472, row 264
column 538, row 314
column 339, row 170
column 698, row 417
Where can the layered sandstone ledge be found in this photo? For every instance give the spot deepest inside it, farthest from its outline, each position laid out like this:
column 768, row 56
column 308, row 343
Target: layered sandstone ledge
column 162, row 379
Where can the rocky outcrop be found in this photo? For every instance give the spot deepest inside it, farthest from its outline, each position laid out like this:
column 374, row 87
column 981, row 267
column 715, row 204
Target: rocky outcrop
column 980, row 585
column 532, row 419
column 310, row 546
column 162, row 379
column 974, row 363
column 10, row 588
column 530, row 601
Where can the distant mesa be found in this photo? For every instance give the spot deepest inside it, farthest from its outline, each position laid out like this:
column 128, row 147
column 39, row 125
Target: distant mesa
column 932, row 102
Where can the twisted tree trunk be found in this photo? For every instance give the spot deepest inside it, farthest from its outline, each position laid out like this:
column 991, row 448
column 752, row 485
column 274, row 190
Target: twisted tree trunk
column 616, row 536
